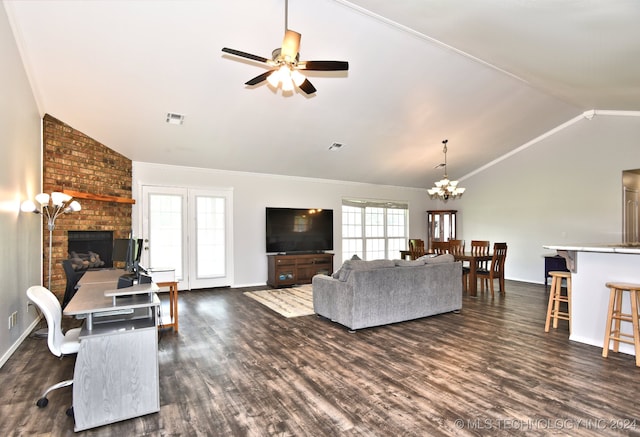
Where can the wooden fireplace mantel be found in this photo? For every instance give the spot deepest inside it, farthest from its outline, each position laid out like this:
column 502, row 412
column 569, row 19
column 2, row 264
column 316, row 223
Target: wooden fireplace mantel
column 99, row 197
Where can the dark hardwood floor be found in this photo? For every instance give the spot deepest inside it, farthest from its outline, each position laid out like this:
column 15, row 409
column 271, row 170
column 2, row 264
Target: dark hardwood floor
column 238, row 369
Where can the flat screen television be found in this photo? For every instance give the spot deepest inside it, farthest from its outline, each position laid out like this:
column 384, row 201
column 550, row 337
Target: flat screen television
column 296, row 230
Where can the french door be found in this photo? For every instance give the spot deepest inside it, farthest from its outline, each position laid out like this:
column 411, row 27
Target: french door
column 189, row 230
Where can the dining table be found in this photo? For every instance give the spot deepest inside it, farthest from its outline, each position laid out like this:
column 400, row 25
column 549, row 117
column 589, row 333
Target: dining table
column 474, row 261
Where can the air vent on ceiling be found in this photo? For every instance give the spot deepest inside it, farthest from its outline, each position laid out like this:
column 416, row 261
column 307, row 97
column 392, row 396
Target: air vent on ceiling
column 173, row 118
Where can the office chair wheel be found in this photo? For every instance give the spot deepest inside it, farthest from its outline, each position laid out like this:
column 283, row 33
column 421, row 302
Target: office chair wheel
column 70, row 412
column 42, row 402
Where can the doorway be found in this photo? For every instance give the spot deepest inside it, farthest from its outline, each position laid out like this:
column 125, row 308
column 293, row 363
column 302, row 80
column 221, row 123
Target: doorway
column 189, row 230
column 631, row 206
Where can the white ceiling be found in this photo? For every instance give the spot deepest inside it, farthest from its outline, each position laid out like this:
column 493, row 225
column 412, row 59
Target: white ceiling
column 489, row 75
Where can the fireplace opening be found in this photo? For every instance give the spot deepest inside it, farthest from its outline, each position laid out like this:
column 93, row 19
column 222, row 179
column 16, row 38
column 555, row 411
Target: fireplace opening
column 90, row 249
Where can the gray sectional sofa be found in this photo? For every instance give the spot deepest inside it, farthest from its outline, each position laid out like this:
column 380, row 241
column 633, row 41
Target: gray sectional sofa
column 363, row 294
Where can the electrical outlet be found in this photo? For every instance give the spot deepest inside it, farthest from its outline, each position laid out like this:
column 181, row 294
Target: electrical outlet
column 13, row 319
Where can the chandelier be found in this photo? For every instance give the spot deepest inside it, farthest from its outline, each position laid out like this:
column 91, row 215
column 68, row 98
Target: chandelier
column 444, row 188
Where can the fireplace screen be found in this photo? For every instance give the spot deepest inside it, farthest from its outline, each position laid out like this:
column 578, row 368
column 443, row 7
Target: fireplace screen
column 90, row 249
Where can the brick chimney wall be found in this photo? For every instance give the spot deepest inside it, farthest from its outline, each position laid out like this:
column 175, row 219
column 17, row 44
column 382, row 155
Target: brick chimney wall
column 76, row 162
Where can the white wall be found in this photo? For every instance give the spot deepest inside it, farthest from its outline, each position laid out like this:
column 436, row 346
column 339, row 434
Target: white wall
column 566, row 188
column 20, row 175
column 253, row 192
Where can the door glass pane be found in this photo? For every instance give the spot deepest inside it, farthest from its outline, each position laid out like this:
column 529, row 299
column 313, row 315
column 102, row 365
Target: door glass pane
column 165, row 232
column 210, row 238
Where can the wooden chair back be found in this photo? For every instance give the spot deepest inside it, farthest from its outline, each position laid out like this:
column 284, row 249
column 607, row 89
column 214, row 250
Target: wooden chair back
column 480, row 247
column 496, row 269
column 456, row 247
column 497, row 262
column 416, row 248
column 440, row 247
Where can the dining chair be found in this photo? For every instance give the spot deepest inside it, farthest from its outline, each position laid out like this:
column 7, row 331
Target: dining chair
column 495, row 270
column 440, row 247
column 481, row 247
column 59, row 343
column 456, row 247
column 416, row 248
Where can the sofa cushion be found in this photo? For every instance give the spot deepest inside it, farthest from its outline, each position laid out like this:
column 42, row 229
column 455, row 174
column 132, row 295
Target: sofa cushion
column 446, row 258
column 350, row 265
column 409, row 262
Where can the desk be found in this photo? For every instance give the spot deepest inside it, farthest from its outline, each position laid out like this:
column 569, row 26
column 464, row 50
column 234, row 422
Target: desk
column 473, row 260
column 116, row 373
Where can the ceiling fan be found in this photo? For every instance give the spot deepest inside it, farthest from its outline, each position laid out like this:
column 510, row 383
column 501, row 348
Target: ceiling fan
column 285, row 63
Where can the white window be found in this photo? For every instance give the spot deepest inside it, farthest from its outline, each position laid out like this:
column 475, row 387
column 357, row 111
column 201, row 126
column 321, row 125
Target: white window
column 373, row 229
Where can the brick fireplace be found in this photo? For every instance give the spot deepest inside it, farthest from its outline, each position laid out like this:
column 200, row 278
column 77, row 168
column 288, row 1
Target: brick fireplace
column 74, row 161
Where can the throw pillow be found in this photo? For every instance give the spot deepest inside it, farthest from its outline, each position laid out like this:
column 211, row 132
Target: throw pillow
column 355, row 257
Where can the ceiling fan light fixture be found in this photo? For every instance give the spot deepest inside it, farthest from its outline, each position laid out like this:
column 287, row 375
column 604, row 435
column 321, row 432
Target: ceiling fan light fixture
column 274, row 79
column 297, row 77
column 287, row 83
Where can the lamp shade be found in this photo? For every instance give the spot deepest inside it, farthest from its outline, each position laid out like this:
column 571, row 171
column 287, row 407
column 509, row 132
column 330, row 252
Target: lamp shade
column 75, row 206
column 42, row 198
column 58, row 198
column 28, row 206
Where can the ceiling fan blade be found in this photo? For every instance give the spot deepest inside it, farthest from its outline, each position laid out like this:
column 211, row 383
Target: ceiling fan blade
column 260, row 78
column 307, row 87
column 324, row 65
column 290, row 45
column 245, row 55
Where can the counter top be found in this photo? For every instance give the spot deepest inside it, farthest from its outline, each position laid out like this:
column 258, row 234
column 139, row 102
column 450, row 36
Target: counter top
column 632, row 248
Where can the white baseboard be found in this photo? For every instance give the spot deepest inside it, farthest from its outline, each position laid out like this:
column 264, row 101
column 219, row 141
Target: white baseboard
column 18, row 342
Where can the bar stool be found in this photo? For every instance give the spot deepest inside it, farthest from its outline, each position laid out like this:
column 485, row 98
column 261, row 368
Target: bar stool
column 616, row 316
column 555, row 297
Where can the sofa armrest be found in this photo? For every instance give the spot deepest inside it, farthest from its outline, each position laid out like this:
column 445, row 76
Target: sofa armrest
column 332, row 298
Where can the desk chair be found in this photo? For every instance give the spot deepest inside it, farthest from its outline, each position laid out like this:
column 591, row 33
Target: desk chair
column 59, row 344
column 72, row 281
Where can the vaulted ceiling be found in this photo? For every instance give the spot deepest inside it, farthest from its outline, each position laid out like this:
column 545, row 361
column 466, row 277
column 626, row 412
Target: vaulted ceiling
column 488, row 75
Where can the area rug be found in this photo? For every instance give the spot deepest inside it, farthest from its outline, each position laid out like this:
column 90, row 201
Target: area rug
column 288, row 302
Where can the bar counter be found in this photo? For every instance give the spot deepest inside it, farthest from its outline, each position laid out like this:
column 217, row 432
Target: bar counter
column 593, row 265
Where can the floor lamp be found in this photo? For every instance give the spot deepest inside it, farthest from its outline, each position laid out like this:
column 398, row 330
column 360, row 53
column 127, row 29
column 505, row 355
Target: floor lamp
column 51, row 206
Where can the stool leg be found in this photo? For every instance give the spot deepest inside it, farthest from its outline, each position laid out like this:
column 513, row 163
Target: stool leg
column 175, row 307
column 607, row 332
column 617, row 314
column 569, row 302
column 634, row 317
column 550, row 305
column 557, row 293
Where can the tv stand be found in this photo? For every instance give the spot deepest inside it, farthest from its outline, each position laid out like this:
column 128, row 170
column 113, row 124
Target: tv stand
column 296, row 269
